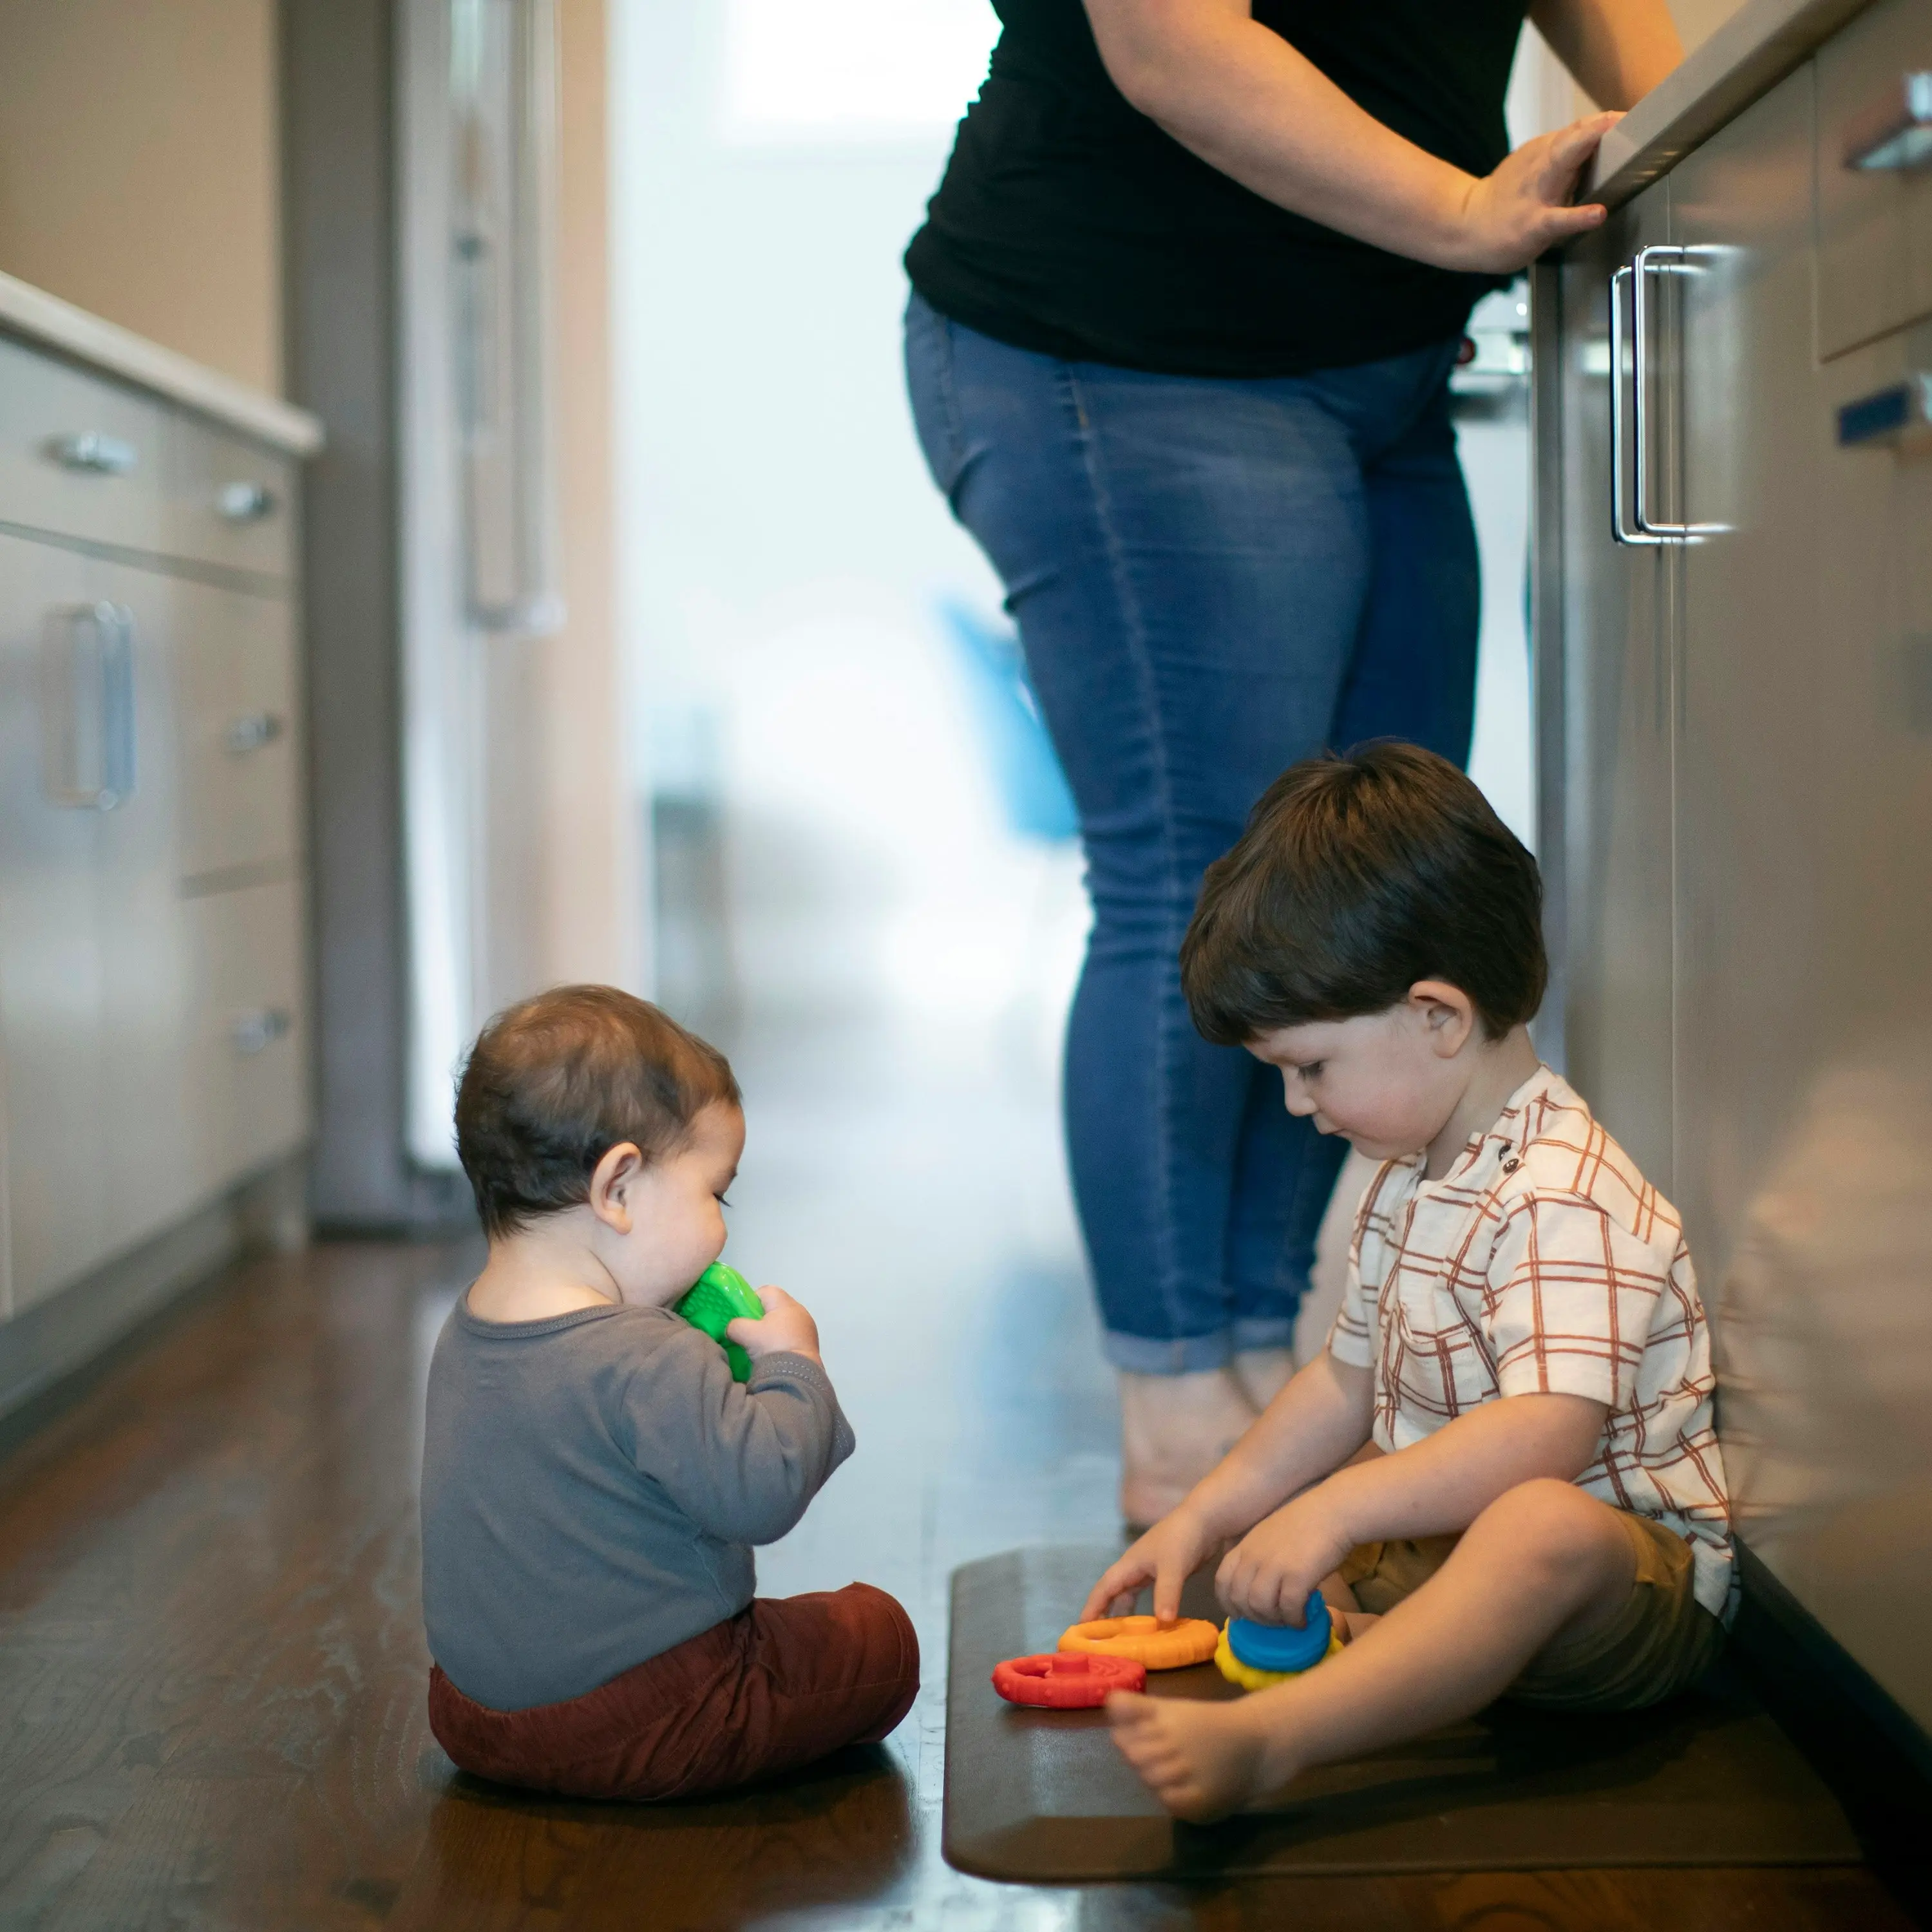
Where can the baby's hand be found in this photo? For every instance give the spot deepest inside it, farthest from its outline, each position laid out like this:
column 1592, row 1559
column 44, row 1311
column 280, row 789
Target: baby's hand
column 1268, row 1575
column 786, row 1328
column 1166, row 1556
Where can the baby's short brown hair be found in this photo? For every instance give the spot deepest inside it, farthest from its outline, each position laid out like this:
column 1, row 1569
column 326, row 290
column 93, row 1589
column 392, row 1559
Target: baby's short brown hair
column 1356, row 877
column 555, row 1082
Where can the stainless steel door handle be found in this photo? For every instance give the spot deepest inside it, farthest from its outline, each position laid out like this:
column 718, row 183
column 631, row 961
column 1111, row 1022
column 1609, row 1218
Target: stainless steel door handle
column 88, row 693
column 1658, row 258
column 1623, row 532
column 258, row 728
column 1896, row 133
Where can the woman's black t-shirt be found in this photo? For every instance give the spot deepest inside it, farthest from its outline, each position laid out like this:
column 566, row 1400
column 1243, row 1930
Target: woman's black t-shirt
column 1068, row 223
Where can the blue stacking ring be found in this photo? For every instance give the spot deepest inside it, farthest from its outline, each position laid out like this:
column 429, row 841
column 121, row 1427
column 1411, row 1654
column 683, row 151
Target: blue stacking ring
column 1280, row 1646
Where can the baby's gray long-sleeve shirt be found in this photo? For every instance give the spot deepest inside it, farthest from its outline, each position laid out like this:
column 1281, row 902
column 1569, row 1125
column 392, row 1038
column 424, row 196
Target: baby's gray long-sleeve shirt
column 592, row 1484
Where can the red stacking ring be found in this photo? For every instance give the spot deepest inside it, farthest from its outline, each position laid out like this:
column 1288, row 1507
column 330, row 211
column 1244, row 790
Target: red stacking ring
column 1066, row 1680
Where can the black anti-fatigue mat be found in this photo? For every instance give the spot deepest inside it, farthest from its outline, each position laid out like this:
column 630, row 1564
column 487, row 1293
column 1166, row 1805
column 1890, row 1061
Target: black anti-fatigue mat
column 1043, row 1796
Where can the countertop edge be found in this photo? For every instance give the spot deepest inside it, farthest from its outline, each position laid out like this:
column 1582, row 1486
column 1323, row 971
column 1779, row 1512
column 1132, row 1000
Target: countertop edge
column 1749, row 54
column 31, row 312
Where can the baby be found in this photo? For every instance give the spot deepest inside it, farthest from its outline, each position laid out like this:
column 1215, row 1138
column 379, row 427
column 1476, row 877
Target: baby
column 593, row 1478
column 1501, row 1470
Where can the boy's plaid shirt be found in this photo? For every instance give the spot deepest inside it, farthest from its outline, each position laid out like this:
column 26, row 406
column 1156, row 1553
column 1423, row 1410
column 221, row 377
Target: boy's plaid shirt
column 1543, row 1261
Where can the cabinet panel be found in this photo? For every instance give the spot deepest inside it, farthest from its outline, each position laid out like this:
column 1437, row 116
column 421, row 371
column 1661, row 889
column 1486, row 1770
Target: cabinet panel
column 50, row 998
column 245, row 1094
column 227, row 501
column 1874, row 224
column 1617, row 738
column 1829, row 1303
column 1748, row 772
column 77, row 455
column 239, row 754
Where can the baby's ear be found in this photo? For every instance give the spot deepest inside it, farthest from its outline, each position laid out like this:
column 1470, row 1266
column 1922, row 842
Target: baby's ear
column 610, row 1182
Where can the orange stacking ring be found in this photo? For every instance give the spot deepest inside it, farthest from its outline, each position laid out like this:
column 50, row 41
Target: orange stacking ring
column 1146, row 1640
column 1060, row 1682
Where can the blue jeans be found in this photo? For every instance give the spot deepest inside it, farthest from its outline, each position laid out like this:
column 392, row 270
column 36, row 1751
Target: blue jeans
column 1212, row 578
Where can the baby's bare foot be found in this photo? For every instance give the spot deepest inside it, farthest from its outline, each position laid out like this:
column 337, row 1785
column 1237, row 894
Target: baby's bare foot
column 1202, row 1761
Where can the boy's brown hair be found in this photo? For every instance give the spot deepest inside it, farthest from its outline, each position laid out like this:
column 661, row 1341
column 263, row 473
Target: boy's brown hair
column 1357, row 876
column 555, row 1082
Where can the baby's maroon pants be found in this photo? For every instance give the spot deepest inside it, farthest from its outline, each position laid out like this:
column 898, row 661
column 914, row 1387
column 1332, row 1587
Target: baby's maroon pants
column 786, row 1681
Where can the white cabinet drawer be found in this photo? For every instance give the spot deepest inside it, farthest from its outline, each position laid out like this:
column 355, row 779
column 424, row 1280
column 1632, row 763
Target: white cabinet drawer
column 1874, row 222
column 228, row 502
column 79, row 456
column 237, row 750
column 245, row 1098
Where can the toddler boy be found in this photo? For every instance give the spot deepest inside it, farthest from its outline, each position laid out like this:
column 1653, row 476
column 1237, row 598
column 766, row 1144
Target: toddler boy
column 593, row 1478
column 1501, row 1470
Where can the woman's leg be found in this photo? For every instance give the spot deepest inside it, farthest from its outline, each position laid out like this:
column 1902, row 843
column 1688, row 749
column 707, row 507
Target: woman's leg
column 1187, row 560
column 1410, row 674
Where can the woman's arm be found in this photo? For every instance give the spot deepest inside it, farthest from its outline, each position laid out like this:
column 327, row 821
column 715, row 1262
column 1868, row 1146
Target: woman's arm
column 1241, row 97
column 1618, row 50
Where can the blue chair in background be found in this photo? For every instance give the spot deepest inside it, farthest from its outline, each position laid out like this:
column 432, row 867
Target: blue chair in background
column 1026, row 771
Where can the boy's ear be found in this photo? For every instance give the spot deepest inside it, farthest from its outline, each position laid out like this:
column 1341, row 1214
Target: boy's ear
column 611, row 1185
column 1447, row 1014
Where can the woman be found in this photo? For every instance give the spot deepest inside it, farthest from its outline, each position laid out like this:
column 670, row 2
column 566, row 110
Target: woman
column 1184, row 309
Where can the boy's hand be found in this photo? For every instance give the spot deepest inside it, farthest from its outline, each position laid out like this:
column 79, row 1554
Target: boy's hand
column 1269, row 1574
column 1166, row 1556
column 786, row 1328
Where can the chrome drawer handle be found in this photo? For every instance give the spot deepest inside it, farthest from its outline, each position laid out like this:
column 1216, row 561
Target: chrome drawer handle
column 1896, row 133
column 90, row 452
column 1899, row 418
column 256, row 1032
column 252, row 733
column 87, row 684
column 246, row 503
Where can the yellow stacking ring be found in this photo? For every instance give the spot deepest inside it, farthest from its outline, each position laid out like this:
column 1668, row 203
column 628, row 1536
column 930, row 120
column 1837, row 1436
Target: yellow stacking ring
column 1232, row 1667
column 1145, row 1640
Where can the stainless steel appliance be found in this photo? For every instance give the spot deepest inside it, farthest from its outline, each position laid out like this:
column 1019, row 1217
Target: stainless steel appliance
column 1734, row 618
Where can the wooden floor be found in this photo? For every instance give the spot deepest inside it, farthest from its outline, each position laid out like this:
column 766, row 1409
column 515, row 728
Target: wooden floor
column 211, row 1662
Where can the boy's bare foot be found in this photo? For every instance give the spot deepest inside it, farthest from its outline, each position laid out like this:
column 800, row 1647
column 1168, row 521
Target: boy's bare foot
column 1202, row 1761
column 1263, row 1373
column 1173, row 1430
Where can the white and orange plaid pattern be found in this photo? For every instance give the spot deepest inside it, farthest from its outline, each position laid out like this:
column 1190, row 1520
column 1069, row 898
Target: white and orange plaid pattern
column 1543, row 1261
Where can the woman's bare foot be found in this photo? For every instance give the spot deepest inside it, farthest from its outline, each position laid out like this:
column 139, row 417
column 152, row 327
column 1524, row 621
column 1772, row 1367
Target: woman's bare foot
column 1173, row 1430
column 1200, row 1760
column 1263, row 1373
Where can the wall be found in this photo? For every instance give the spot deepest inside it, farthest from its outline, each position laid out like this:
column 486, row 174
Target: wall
column 592, row 903
column 139, row 175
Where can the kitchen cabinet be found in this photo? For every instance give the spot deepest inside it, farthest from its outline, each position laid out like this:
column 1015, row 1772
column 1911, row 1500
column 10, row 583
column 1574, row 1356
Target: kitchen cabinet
column 1744, row 686
column 152, row 1005
column 1615, row 728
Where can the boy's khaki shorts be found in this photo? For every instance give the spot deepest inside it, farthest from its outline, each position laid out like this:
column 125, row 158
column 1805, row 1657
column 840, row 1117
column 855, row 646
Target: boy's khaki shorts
column 1661, row 1642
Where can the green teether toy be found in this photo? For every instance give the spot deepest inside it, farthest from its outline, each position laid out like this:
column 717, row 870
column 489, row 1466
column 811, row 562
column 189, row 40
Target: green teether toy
column 713, row 1302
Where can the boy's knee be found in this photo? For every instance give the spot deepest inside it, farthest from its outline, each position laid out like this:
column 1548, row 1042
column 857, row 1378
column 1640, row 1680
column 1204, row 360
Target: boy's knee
column 1552, row 1530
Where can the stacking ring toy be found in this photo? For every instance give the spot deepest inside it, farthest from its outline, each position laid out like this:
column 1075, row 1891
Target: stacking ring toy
column 1255, row 1655
column 1145, row 1640
column 1063, row 1680
column 713, row 1302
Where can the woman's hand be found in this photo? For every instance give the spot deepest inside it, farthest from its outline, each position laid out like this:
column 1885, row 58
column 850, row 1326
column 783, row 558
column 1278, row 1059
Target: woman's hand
column 1166, row 1556
column 1509, row 217
column 1268, row 1575
column 1235, row 93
